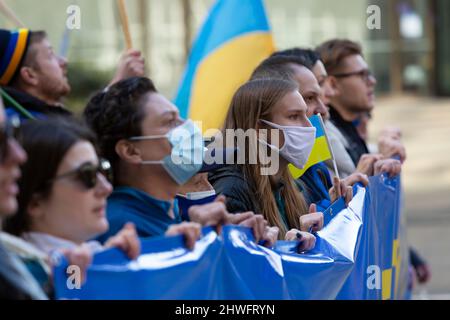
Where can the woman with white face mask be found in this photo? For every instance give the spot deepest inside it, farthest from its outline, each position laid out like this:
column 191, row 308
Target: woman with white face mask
column 277, row 113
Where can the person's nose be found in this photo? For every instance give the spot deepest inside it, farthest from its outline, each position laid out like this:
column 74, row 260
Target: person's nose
column 306, row 123
column 104, row 188
column 322, row 109
column 372, row 81
column 16, row 154
column 62, row 62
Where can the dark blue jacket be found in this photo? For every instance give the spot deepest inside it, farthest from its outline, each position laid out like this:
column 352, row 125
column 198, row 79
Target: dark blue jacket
column 38, row 108
column 149, row 215
column 318, row 181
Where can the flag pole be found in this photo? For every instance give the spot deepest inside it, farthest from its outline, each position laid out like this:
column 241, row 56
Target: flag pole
column 336, row 172
column 10, row 14
column 125, row 24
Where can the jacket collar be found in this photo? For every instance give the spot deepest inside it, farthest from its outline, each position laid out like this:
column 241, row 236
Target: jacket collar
column 31, row 103
column 143, row 200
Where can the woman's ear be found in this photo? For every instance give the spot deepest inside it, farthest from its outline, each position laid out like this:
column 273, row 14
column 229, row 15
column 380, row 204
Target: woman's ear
column 128, row 152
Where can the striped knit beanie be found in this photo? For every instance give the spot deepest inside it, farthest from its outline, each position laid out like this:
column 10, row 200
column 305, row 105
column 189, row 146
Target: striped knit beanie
column 13, row 47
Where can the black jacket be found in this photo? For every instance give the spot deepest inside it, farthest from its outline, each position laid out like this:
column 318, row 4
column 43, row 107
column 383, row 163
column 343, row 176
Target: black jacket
column 357, row 146
column 241, row 195
column 35, row 106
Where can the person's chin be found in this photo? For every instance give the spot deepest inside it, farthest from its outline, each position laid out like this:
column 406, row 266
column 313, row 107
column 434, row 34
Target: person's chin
column 367, row 106
column 102, row 224
column 66, row 90
column 8, row 208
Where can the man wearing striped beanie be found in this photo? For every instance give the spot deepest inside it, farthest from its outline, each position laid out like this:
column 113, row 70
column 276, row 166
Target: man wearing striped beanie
column 13, row 46
column 33, row 76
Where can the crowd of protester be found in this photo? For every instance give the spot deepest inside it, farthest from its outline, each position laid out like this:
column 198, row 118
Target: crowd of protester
column 80, row 184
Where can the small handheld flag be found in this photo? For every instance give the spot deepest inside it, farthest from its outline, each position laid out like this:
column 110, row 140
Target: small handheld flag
column 321, row 151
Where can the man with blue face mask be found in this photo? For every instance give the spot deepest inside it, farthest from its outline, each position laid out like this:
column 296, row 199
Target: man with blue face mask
column 153, row 153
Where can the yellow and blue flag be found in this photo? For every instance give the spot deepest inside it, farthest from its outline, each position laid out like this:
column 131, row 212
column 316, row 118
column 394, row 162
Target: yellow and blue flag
column 235, row 38
column 320, row 152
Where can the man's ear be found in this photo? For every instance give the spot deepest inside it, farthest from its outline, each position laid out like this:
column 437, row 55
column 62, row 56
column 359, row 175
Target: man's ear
column 334, row 84
column 128, row 152
column 29, row 76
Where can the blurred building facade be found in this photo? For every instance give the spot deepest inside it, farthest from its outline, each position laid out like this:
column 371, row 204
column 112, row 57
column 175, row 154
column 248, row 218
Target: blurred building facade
column 409, row 53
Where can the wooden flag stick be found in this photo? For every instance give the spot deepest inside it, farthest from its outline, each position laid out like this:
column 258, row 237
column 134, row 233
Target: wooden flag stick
column 10, row 14
column 125, row 24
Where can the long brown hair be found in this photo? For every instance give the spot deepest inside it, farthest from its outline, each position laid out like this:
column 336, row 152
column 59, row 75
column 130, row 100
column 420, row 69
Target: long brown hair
column 254, row 101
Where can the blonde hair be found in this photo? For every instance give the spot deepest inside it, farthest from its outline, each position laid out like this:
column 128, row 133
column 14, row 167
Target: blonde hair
column 254, row 101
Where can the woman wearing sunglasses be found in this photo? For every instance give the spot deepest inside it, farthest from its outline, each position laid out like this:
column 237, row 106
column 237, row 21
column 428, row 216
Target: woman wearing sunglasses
column 63, row 193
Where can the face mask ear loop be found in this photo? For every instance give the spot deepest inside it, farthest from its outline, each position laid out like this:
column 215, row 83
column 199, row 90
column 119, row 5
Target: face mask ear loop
column 274, row 126
column 148, row 138
column 142, row 138
column 152, row 162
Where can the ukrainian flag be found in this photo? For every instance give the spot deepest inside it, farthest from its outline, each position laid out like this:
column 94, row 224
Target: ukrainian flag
column 235, row 38
column 320, row 152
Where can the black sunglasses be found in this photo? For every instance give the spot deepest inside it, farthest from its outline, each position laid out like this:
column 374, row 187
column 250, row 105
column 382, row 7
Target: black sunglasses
column 8, row 131
column 88, row 173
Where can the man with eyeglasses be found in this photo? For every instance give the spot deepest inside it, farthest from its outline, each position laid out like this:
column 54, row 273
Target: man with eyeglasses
column 354, row 91
column 350, row 107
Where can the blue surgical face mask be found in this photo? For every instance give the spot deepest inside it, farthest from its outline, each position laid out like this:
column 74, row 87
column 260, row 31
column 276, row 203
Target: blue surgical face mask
column 186, row 158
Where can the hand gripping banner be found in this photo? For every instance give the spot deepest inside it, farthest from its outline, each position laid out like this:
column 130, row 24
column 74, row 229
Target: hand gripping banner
column 359, row 254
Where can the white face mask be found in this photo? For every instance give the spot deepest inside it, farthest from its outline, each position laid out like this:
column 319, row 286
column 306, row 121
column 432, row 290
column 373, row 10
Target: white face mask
column 298, row 143
column 200, row 194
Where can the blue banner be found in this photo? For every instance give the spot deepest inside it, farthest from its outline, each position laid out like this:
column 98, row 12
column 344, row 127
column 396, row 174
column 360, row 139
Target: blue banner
column 357, row 256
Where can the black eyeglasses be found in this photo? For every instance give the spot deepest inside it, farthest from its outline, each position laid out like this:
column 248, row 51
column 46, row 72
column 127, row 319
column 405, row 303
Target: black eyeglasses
column 88, row 173
column 8, row 131
column 365, row 75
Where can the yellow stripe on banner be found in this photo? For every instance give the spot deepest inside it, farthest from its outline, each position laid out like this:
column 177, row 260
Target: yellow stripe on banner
column 222, row 73
column 319, row 153
column 386, row 284
column 396, row 263
column 17, row 56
